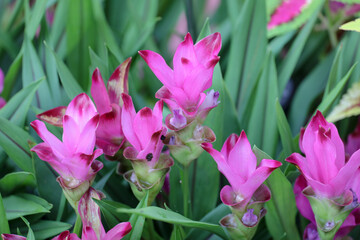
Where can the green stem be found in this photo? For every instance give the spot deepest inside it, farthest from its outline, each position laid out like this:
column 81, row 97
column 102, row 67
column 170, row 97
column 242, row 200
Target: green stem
column 78, row 226
column 186, row 190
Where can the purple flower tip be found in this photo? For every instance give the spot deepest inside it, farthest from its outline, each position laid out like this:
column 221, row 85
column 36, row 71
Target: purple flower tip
column 249, row 219
column 178, row 120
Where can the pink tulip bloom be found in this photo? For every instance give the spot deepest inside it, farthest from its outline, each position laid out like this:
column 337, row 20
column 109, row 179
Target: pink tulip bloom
column 73, row 157
column 238, row 163
column 287, row 11
column 324, row 166
column 143, row 130
column 109, row 135
column 66, row 235
column 12, row 237
column 184, row 85
column 2, row 101
column 305, row 209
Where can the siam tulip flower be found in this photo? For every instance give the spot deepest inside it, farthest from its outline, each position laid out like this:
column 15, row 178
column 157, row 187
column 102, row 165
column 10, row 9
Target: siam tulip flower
column 109, row 135
column 329, row 177
column 66, row 235
column 287, row 11
column 91, row 219
column 144, row 131
column 73, row 157
column 2, row 101
column 353, row 140
column 12, row 237
column 184, row 85
column 247, row 193
column 304, row 207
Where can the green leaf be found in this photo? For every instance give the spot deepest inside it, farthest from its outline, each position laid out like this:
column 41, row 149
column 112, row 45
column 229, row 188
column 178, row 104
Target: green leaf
column 351, row 26
column 35, row 17
column 17, row 180
column 11, row 75
column 285, row 132
column 17, row 107
column 288, row 64
column 311, row 9
column 4, row 224
column 108, row 209
column 335, row 72
column 137, row 221
column 349, row 105
column 178, row 233
column 281, row 208
column 30, row 235
column 332, row 96
column 28, row 207
column 247, row 51
column 262, row 125
column 174, row 218
column 72, row 88
column 14, row 141
column 45, row 229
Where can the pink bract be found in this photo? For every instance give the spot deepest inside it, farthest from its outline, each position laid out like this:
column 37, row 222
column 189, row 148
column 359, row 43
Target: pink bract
column 193, row 65
column 324, row 166
column 143, row 130
column 238, row 163
column 284, row 13
column 73, row 157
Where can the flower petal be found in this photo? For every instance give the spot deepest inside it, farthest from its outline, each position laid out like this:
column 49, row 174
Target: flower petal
column 302, row 202
column 208, row 48
column 118, row 82
column 119, row 231
column 159, row 67
column 127, row 121
column 53, row 116
column 12, row 237
column 99, row 93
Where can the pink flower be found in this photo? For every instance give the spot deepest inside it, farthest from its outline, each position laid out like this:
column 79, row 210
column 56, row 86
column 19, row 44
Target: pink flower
column 288, row 10
column 73, row 157
column 305, row 209
column 109, row 135
column 91, row 219
column 12, row 237
column 184, row 85
column 2, row 101
column 353, row 140
column 324, row 166
column 143, row 130
column 238, row 163
column 66, row 235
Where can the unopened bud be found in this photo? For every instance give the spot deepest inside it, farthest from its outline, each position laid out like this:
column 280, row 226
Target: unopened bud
column 249, row 219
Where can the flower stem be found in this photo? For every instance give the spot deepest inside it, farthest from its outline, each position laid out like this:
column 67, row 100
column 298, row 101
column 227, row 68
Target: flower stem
column 78, row 226
column 186, row 190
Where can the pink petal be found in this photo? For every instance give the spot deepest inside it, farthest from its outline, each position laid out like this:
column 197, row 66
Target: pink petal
column 302, row 202
column 286, row 12
column 241, row 159
column 89, row 234
column 229, row 145
column 12, row 237
column 343, row 179
column 159, row 67
column 208, row 48
column 53, row 116
column 228, row 196
column 119, row 231
column 118, row 82
column 99, row 93
column 81, row 109
column 266, row 167
column 87, row 136
column 90, row 214
column 49, row 138
column 300, row 162
column 66, row 235
column 127, row 120
column 152, row 150
column 71, row 134
column 109, row 135
column 80, row 165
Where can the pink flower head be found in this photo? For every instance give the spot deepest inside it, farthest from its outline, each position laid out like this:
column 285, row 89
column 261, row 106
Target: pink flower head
column 12, row 237
column 143, row 130
column 66, row 235
column 288, row 10
column 238, row 163
column 91, row 219
column 109, row 135
column 324, row 166
column 305, row 209
column 184, row 85
column 73, row 157
column 2, row 101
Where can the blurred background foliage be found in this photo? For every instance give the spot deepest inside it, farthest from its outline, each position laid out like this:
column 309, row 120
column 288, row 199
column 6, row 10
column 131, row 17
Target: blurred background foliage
column 270, row 84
